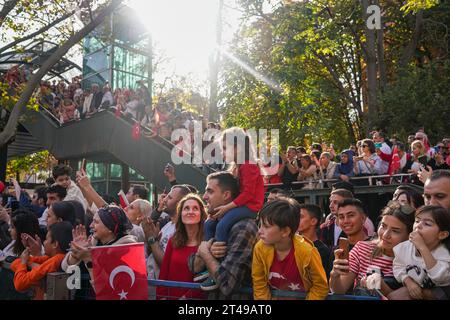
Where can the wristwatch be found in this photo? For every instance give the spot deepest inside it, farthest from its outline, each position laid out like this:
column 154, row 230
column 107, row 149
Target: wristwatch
column 151, row 240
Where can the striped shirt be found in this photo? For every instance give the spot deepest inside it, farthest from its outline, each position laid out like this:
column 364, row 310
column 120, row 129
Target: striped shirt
column 361, row 259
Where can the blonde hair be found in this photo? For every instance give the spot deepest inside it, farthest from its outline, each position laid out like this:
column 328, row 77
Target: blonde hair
column 144, row 206
column 420, row 145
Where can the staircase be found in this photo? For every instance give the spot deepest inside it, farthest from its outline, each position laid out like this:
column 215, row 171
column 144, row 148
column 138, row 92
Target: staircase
column 104, row 137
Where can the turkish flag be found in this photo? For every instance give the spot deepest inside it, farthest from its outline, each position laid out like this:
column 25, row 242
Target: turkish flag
column 118, row 113
column 120, row 272
column 123, row 199
column 136, row 131
column 395, row 162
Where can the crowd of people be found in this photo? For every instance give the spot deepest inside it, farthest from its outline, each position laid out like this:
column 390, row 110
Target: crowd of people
column 372, row 156
column 231, row 237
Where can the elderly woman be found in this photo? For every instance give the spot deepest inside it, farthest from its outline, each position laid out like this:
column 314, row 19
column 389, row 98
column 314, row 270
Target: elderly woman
column 369, row 163
column 110, row 226
column 136, row 212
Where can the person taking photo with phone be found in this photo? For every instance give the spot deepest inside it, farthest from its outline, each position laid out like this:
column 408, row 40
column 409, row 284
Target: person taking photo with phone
column 350, row 274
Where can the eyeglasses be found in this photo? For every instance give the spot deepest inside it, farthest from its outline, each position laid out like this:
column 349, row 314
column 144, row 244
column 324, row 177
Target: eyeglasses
column 365, row 146
column 403, row 208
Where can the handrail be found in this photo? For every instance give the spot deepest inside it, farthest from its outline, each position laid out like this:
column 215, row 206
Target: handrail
column 321, row 181
column 249, row 291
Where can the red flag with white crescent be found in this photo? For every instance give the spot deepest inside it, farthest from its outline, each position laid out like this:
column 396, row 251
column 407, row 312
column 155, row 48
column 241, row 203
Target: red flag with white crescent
column 120, row 272
column 395, row 162
column 136, row 131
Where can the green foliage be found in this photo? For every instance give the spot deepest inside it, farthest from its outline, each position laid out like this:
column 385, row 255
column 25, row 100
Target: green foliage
column 315, row 52
column 36, row 163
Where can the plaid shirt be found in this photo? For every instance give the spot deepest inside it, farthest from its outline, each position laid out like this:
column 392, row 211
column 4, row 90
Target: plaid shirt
column 234, row 271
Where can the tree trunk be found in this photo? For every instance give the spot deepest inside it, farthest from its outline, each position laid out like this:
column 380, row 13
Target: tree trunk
column 7, row 8
column 408, row 51
column 371, row 69
column 20, row 106
column 380, row 54
column 213, row 114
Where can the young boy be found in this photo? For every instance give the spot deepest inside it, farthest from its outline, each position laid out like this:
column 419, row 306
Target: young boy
column 284, row 260
column 56, row 244
column 310, row 215
column 61, row 173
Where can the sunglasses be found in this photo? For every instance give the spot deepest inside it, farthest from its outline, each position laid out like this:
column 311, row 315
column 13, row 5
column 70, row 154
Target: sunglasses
column 365, row 146
column 403, row 208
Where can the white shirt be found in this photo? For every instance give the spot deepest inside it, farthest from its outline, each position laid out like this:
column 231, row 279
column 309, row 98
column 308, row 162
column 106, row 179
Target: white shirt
column 43, row 219
column 385, row 164
column 408, row 263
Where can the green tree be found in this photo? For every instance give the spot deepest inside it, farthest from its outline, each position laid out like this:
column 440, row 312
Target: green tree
column 337, row 79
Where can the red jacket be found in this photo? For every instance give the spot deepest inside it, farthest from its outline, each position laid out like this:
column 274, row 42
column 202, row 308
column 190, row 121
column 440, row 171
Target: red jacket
column 24, row 279
column 251, row 187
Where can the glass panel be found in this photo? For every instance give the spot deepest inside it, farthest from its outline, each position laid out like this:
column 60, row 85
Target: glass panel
column 98, row 171
column 95, row 62
column 98, row 38
column 125, row 80
column 100, row 187
column 116, row 171
column 136, row 176
column 130, row 61
column 99, row 78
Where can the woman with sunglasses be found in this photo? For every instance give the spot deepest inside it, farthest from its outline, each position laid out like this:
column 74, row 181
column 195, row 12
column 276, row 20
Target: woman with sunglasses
column 369, row 163
column 378, row 254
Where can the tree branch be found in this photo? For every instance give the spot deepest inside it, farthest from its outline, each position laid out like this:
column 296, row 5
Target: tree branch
column 7, row 8
column 38, row 32
column 20, row 106
column 408, row 51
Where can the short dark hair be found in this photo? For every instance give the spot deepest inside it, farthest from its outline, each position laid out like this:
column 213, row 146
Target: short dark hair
column 62, row 233
column 183, row 189
column 284, row 212
column 41, row 193
column 344, row 193
column 438, row 174
column 140, row 191
column 49, row 181
column 59, row 190
column 411, row 194
column 226, row 182
column 370, row 145
column 441, row 216
column 61, row 170
column 401, row 146
column 352, row 202
column 279, row 191
column 65, row 211
column 313, row 210
column 343, row 185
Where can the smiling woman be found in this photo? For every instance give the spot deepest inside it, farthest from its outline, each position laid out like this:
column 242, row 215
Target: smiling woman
column 183, row 30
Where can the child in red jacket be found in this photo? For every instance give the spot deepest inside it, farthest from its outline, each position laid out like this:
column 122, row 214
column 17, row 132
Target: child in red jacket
column 251, row 190
column 56, row 244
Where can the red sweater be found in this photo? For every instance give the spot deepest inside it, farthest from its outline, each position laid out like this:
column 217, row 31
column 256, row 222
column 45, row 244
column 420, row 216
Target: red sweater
column 251, row 187
column 24, row 279
column 174, row 267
